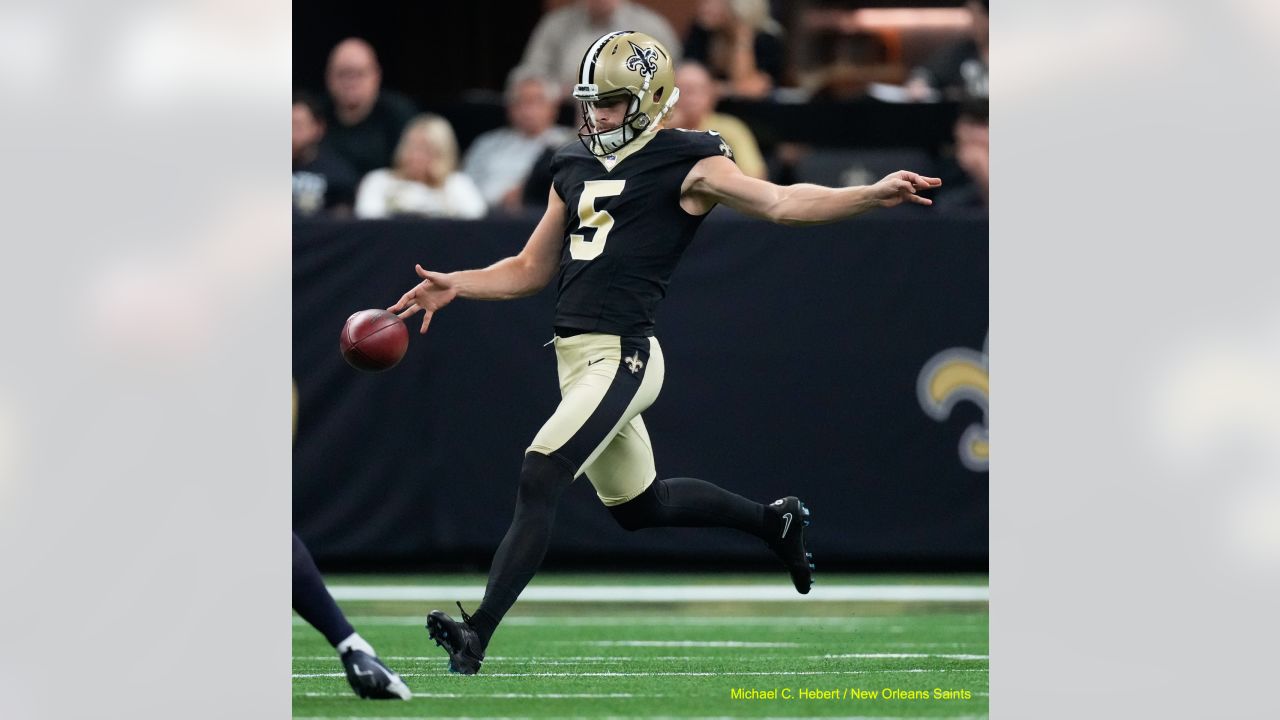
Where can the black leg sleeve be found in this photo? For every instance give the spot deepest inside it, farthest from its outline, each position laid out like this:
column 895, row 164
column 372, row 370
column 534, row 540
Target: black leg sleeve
column 312, row 599
column 689, row 502
column 542, row 480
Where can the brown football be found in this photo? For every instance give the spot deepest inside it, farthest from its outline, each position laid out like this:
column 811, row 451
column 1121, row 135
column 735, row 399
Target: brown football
column 373, row 340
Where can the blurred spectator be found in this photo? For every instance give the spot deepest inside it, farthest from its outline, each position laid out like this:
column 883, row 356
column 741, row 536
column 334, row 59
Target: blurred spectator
column 958, row 71
column 322, row 181
column 424, row 180
column 365, row 121
column 739, row 44
column 500, row 160
column 695, row 110
column 973, row 155
column 562, row 36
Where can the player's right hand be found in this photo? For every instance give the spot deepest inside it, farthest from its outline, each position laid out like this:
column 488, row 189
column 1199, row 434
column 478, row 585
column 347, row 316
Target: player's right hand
column 434, row 292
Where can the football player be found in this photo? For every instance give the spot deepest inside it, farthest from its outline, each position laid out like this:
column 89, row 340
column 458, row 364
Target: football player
column 624, row 204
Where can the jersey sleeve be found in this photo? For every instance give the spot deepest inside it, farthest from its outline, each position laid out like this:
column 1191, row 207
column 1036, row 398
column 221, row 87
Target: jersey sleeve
column 698, row 144
column 556, row 167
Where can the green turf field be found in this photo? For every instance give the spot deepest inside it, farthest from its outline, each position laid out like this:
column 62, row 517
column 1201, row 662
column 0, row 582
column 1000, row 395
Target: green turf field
column 566, row 659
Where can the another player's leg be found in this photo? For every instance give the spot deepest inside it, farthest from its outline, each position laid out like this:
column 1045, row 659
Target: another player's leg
column 311, row 599
column 619, row 475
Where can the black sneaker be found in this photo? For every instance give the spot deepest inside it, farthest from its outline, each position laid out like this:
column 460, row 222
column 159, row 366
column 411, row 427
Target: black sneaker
column 789, row 545
column 458, row 639
column 371, row 679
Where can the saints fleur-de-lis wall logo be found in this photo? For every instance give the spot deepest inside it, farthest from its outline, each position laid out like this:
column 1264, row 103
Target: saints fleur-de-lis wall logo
column 642, row 60
column 949, row 378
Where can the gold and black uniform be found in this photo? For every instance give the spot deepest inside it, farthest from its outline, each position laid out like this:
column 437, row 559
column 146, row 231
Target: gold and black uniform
column 624, row 234
column 624, row 230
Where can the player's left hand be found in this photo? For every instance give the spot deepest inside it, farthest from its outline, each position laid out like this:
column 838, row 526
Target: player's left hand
column 903, row 186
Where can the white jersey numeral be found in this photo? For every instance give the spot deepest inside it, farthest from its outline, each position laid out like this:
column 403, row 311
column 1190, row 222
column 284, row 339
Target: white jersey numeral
column 580, row 248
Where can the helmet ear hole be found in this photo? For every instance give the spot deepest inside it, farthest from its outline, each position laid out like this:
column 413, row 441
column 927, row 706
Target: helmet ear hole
column 657, row 94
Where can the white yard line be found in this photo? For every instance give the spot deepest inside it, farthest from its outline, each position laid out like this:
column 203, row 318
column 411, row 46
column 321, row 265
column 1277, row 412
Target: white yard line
column 674, row 593
column 906, row 655
column 581, row 659
column 682, row 643
column 862, row 624
column 675, row 674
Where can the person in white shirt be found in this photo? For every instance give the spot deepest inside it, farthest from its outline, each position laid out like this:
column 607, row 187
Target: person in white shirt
column 555, row 48
column 500, row 160
column 425, row 179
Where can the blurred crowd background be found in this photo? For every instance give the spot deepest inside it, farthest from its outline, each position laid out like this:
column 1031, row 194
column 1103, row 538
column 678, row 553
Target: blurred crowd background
column 395, row 112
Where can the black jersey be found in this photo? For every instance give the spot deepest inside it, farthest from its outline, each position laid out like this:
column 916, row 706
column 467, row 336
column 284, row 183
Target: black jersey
column 624, row 230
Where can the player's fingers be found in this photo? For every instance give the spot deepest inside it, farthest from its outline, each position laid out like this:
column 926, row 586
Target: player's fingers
column 409, row 311
column 421, row 272
column 426, row 320
column 400, row 303
column 919, row 200
column 920, row 181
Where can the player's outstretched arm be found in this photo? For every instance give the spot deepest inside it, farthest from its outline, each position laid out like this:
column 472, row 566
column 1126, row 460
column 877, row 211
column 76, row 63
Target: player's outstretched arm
column 507, row 279
column 718, row 180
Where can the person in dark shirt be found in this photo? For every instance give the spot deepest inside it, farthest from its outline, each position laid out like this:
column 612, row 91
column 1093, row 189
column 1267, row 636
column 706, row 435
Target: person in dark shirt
column 322, row 181
column 365, row 121
column 739, row 44
column 624, row 204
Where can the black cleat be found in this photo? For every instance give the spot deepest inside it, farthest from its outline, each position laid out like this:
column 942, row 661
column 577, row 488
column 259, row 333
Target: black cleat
column 789, row 545
column 371, row 679
column 458, row 639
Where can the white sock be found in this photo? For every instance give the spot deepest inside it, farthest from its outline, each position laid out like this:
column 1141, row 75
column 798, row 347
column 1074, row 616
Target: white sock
column 355, row 642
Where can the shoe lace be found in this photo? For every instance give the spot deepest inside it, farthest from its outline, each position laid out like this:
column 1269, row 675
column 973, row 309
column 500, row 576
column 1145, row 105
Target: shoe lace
column 465, row 617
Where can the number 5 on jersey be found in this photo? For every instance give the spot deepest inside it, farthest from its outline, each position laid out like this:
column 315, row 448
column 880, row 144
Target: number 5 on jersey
column 581, row 248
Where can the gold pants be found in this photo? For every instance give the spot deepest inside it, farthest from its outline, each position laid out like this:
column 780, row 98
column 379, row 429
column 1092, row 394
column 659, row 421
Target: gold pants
column 606, row 381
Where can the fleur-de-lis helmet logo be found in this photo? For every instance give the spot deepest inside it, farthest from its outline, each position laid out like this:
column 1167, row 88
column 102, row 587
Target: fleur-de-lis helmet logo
column 949, row 378
column 642, row 60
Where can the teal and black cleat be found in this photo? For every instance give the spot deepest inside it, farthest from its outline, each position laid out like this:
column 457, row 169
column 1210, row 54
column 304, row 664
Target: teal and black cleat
column 463, row 644
column 793, row 518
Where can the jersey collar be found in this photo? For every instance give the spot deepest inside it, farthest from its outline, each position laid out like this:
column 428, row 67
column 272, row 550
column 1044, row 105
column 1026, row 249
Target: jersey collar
column 612, row 160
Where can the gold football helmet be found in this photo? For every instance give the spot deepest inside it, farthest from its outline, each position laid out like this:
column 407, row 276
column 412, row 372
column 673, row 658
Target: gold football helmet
column 633, row 67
